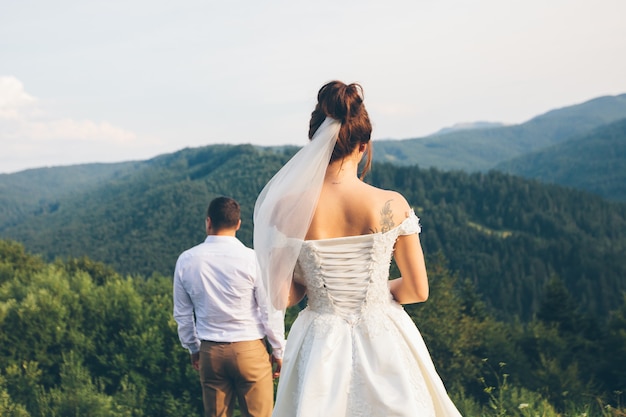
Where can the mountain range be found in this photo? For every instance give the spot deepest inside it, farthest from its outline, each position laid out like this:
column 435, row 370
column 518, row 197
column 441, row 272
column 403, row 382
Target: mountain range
column 484, row 149
column 505, row 234
column 594, row 161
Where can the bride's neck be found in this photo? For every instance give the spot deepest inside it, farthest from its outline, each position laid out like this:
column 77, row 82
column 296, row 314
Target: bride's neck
column 342, row 171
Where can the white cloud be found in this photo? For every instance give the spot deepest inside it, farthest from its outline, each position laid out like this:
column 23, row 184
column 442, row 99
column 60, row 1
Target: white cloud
column 13, row 98
column 30, row 136
column 77, row 130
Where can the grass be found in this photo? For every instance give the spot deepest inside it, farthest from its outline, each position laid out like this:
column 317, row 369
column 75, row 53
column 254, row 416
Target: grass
column 506, row 400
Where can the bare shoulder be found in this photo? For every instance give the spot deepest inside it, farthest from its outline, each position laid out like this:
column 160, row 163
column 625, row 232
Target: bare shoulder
column 392, row 209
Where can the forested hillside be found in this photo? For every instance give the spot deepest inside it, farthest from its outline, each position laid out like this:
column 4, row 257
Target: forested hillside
column 79, row 339
column 595, row 162
column 139, row 221
column 481, row 149
column 507, row 235
column 510, row 236
column 34, row 190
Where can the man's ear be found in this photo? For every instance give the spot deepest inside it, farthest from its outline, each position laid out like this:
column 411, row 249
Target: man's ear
column 238, row 225
column 207, row 224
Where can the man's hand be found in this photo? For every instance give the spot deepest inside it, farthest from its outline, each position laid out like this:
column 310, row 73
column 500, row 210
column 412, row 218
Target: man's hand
column 195, row 361
column 276, row 365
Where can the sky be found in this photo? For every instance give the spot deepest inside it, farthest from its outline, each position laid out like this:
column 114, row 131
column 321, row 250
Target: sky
column 112, row 81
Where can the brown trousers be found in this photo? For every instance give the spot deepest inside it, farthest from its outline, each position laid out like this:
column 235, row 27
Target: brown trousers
column 237, row 370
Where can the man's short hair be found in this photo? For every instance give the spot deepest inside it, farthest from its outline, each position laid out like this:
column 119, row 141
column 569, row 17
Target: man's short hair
column 224, row 213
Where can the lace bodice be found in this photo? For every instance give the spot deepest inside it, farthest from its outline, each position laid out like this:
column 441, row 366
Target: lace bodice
column 346, row 275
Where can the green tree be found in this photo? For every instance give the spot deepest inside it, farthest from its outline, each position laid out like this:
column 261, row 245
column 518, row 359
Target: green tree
column 612, row 360
column 8, row 407
column 77, row 395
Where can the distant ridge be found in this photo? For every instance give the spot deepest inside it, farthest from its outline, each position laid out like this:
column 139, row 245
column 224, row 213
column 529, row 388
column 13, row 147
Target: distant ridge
column 475, row 146
column 481, row 149
column 468, row 126
column 595, row 162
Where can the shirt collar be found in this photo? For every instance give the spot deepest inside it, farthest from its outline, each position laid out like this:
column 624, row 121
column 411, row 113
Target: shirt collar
column 221, row 239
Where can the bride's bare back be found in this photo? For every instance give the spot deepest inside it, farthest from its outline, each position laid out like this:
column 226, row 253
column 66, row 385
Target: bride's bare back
column 352, row 207
column 348, row 207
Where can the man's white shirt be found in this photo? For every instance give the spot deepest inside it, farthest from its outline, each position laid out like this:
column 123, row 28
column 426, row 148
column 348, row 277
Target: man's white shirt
column 219, row 296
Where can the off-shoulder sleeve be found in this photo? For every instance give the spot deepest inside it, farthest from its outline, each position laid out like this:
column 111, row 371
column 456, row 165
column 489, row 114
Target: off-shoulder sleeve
column 410, row 225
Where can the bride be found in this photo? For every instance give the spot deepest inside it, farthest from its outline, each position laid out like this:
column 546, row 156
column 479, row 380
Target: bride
column 322, row 232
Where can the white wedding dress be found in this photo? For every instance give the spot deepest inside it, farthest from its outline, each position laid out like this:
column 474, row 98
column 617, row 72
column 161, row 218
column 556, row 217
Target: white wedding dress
column 354, row 351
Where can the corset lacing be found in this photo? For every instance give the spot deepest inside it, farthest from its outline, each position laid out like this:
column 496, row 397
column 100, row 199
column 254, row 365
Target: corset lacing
column 346, row 276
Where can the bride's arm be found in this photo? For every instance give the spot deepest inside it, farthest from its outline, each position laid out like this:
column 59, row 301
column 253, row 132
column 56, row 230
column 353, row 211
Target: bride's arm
column 412, row 287
column 296, row 293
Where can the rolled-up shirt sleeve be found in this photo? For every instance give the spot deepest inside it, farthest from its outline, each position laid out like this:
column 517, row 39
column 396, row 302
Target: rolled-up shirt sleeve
column 184, row 314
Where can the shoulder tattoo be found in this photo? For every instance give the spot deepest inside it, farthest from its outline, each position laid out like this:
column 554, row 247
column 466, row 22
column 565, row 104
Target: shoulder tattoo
column 386, row 217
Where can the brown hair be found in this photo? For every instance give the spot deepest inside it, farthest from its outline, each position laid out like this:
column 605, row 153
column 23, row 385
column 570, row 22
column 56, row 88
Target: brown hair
column 224, row 213
column 344, row 103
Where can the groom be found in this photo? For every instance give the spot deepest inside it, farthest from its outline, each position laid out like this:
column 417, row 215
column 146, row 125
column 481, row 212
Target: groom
column 220, row 308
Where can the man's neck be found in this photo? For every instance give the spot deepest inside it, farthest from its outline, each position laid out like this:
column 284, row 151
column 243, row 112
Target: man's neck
column 224, row 232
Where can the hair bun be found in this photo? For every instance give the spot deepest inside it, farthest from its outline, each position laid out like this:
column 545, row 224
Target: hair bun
column 340, row 101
